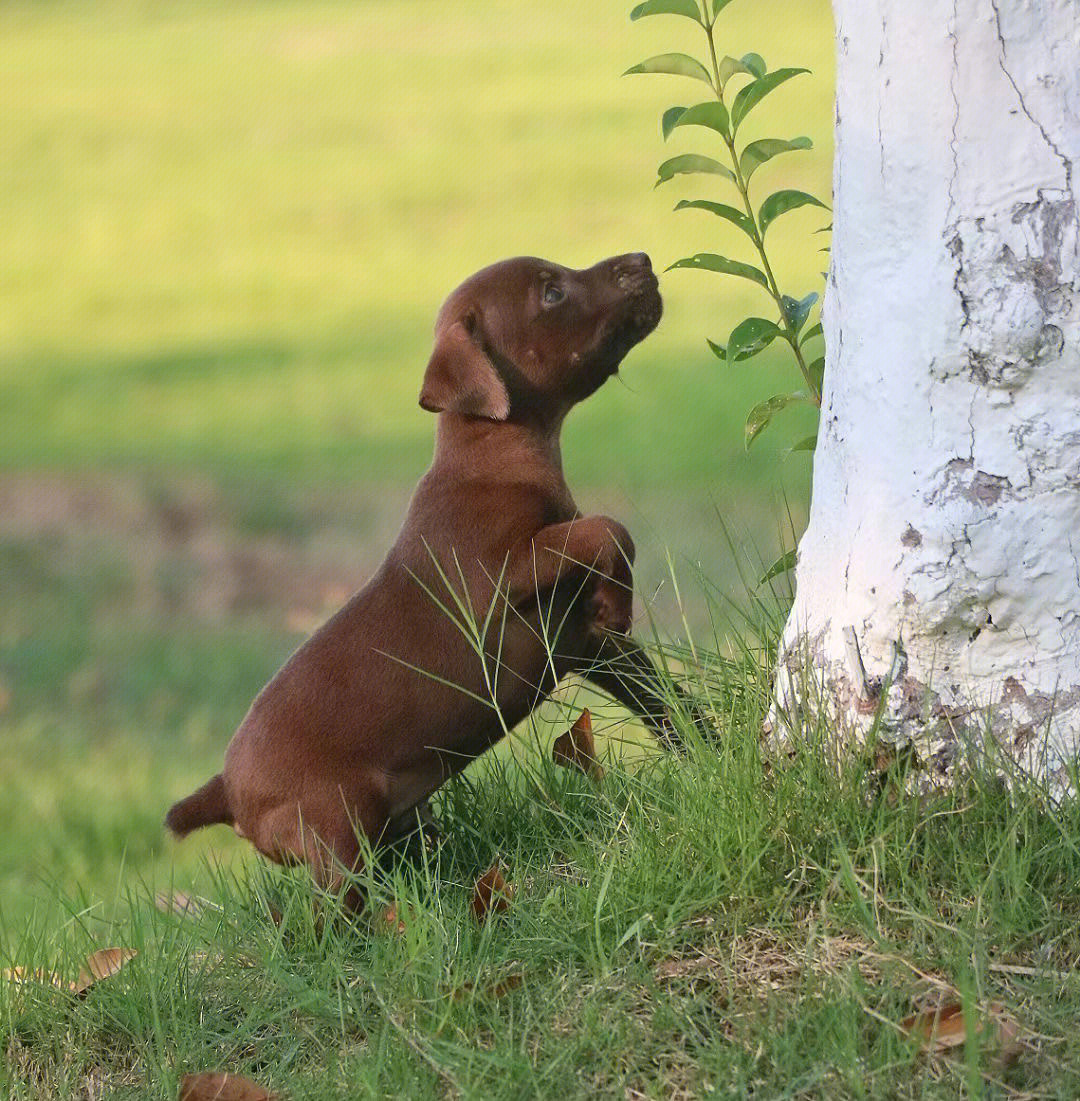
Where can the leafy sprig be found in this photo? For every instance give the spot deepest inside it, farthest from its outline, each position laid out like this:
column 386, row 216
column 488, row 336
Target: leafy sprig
column 738, row 85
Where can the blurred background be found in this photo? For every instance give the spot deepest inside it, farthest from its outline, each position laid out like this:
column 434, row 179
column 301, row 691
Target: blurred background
column 227, row 230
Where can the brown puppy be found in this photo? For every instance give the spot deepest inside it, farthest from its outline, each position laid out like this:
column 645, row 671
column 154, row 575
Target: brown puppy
column 391, row 696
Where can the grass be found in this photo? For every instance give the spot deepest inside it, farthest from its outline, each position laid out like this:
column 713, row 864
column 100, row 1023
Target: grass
column 227, row 231
column 709, row 924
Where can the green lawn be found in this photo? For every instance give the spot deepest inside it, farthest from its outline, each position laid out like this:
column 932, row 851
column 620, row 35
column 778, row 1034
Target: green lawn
column 686, row 927
column 227, row 231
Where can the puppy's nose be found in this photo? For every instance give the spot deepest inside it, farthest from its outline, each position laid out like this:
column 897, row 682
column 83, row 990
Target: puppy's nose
column 631, row 272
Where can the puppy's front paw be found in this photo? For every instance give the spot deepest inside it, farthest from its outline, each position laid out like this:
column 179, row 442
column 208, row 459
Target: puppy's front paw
column 611, row 608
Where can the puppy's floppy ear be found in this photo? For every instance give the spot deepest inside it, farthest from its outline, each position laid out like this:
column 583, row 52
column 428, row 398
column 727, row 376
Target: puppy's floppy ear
column 461, row 379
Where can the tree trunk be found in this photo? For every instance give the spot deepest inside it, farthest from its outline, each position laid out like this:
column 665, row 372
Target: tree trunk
column 938, row 582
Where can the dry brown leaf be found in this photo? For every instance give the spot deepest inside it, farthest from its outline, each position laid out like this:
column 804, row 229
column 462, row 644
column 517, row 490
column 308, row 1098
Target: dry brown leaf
column 391, row 921
column 504, row 986
column 493, row 990
column 100, row 965
column 219, row 1086
column 182, row 904
column 22, row 975
column 491, row 893
column 577, row 748
column 938, row 1029
column 945, row 1027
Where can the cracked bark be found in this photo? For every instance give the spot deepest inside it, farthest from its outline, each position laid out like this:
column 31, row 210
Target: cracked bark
column 951, row 393
column 1065, row 160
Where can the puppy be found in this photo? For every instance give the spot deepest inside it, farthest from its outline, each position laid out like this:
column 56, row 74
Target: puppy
column 496, row 587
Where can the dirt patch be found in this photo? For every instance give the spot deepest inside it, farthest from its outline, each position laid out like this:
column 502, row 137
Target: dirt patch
column 759, row 962
column 191, row 547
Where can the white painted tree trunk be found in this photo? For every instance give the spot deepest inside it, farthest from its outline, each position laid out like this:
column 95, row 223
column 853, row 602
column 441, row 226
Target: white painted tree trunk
column 944, row 534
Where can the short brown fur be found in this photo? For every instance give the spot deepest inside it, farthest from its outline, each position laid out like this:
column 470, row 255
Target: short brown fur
column 387, row 699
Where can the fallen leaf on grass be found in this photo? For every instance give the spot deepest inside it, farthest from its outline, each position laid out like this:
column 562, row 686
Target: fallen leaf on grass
column 577, row 749
column 504, row 986
column 102, row 964
column 493, row 990
column 183, row 904
column 219, row 1086
column 491, row 893
column 20, row 976
column 98, row 965
column 391, row 921
column 937, row 1029
column 945, row 1027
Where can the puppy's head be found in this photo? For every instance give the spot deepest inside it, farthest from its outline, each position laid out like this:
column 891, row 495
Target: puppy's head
column 529, row 338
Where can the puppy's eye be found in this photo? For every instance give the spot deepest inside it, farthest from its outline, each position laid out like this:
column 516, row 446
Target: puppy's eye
column 552, row 294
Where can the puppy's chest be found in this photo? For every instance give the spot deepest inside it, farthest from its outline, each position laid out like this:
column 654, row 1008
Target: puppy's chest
column 495, row 515
column 506, row 526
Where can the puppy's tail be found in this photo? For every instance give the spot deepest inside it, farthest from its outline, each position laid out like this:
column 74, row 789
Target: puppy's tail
column 205, row 807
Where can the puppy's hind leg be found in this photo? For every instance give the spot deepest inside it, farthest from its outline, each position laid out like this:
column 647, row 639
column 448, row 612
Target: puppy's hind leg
column 326, row 841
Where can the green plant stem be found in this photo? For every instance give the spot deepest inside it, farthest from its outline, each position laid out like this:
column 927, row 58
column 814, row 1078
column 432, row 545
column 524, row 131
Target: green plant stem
column 790, row 335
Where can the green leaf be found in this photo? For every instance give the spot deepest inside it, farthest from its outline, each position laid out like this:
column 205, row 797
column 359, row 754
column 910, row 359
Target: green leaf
column 814, row 330
column 721, row 210
column 688, row 8
column 784, row 564
column 758, row 152
column 757, row 420
column 689, row 163
column 797, row 310
column 712, row 114
column 755, row 92
column 668, row 120
column 718, row 6
column 750, row 337
column 675, row 64
column 729, row 66
column 779, row 202
column 709, row 261
column 717, row 349
column 817, row 372
column 754, row 64
column 807, row 443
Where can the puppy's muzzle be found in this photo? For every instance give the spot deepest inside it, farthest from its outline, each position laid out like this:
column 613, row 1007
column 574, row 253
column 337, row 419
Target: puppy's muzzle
column 633, row 275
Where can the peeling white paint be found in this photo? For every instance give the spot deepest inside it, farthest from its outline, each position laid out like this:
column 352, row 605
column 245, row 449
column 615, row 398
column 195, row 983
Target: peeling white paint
column 946, row 497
